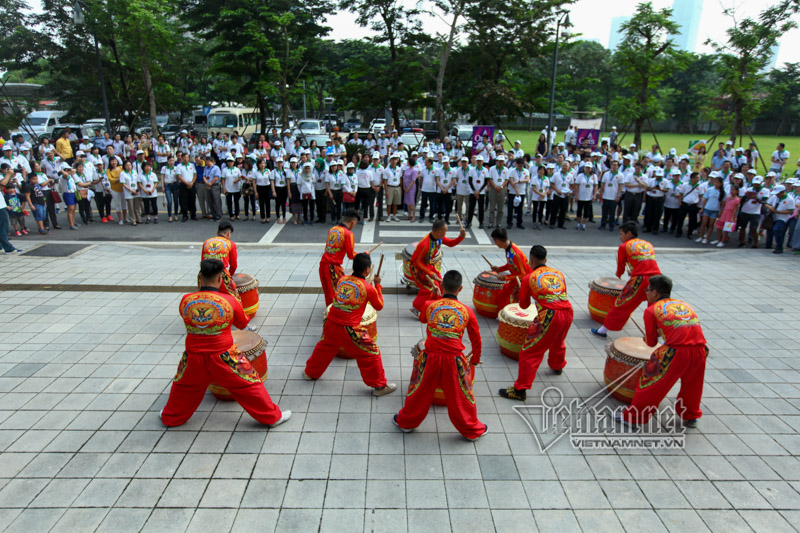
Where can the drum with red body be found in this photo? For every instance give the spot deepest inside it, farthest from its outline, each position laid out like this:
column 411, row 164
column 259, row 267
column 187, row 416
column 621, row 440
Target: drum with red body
column 407, row 278
column 603, row 293
column 438, row 396
column 247, row 287
column 513, row 328
column 624, row 366
column 369, row 320
column 486, row 294
column 252, row 346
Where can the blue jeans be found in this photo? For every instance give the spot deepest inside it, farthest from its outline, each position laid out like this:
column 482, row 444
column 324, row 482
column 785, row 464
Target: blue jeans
column 779, row 232
column 7, row 246
column 172, row 198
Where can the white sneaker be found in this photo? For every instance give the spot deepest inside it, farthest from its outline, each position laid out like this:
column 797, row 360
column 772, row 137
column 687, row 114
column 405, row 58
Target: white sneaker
column 698, row 239
column 121, row 223
column 720, row 244
column 715, row 241
column 285, row 415
column 704, row 241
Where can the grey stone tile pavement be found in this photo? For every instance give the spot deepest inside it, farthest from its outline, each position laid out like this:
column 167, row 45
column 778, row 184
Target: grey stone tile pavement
column 84, row 373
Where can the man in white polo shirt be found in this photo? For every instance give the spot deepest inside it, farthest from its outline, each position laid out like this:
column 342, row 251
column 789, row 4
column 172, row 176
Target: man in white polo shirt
column 428, row 187
column 781, row 205
column 392, row 181
column 498, row 180
column 690, row 204
column 187, row 176
column 478, row 176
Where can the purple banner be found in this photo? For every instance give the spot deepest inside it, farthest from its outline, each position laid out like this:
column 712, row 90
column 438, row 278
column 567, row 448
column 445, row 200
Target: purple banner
column 478, row 132
column 592, row 136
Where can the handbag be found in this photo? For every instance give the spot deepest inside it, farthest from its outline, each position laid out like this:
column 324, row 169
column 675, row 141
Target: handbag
column 769, row 221
column 348, row 198
column 56, row 197
column 729, row 227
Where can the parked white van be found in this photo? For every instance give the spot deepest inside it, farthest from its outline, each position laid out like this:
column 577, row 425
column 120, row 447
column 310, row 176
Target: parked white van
column 43, row 122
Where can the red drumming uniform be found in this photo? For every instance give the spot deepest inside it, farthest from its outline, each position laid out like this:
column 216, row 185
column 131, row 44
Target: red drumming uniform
column 342, row 329
column 340, row 242
column 517, row 268
column 547, row 288
column 422, row 266
column 211, row 356
column 640, row 258
column 223, row 250
column 682, row 356
column 442, row 365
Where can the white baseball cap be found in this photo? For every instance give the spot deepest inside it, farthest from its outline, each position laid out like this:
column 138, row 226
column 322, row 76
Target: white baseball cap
column 501, row 158
column 140, row 152
column 445, row 159
column 771, row 174
column 778, row 189
column 659, row 171
column 465, row 159
column 351, row 165
column 230, row 158
column 675, row 172
column 79, row 152
column 751, row 171
column 517, row 142
column 758, row 180
column 394, row 155
column 479, row 158
column 184, row 131
column 376, row 155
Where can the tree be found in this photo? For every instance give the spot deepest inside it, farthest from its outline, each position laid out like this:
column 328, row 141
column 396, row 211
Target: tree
column 646, row 56
column 687, row 92
column 19, row 50
column 742, row 59
column 395, row 25
column 783, row 103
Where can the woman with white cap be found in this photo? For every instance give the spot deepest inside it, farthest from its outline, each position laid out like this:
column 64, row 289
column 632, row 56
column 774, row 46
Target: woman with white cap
column 306, row 185
column 295, row 205
column 349, row 186
column 280, row 189
column 232, row 180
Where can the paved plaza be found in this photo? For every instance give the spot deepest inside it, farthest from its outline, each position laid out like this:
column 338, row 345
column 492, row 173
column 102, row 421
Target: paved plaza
column 92, row 339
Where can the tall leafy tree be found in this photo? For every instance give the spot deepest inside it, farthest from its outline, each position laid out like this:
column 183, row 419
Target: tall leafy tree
column 646, row 56
column 20, row 50
column 687, row 92
column 742, row 59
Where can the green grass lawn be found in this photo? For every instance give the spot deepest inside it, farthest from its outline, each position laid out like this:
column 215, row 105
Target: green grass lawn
column 766, row 143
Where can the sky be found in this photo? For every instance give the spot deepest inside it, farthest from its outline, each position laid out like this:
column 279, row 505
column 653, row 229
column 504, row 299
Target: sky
column 592, row 19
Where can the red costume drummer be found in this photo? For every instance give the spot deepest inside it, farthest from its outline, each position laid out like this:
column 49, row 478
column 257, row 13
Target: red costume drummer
column 222, row 248
column 340, row 242
column 682, row 356
column 342, row 329
column 517, row 267
column 422, row 263
column 211, row 355
column 640, row 258
column 547, row 287
column 442, row 365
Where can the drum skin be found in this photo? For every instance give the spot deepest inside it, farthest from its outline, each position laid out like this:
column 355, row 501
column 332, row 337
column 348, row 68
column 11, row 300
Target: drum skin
column 486, row 293
column 369, row 320
column 247, row 287
column 624, row 354
column 603, row 293
column 253, row 347
column 513, row 328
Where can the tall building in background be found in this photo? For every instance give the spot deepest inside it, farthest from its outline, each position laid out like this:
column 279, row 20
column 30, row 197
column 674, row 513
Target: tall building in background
column 687, row 13
column 616, row 35
column 773, row 60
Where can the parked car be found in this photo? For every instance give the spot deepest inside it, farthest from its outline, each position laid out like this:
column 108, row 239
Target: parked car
column 308, row 126
column 462, row 132
column 331, row 121
column 44, row 122
column 378, row 125
column 352, row 124
column 412, row 139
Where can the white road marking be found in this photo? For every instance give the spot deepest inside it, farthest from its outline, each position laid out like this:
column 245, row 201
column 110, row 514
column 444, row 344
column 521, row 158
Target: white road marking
column 271, row 233
column 368, row 232
column 480, row 236
column 403, row 234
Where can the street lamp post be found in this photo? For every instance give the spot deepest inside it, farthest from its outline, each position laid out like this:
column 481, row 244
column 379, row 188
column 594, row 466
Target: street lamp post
column 565, row 19
column 78, row 19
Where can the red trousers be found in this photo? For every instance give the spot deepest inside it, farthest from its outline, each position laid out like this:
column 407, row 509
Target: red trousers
column 424, row 294
column 329, row 275
column 356, row 341
column 666, row 366
column 627, row 302
column 230, row 370
column 547, row 332
column 508, row 294
column 448, row 372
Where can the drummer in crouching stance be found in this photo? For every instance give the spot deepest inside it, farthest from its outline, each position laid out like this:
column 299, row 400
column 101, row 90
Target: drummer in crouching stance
column 682, row 356
column 517, row 266
column 338, row 244
column 223, row 249
column 210, row 355
column 442, row 364
column 422, row 263
column 640, row 257
column 342, row 329
column 547, row 287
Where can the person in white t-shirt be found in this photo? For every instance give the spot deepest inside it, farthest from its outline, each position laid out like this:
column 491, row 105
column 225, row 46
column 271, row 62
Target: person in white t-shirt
column 654, row 207
column 478, row 177
column 561, row 185
column 584, row 190
column 496, row 187
column 518, row 179
column 130, row 186
column 232, row 181
column 540, row 185
column 428, row 188
column 690, row 194
column 609, row 194
column 446, row 180
column 148, row 192
column 781, row 205
column 779, row 158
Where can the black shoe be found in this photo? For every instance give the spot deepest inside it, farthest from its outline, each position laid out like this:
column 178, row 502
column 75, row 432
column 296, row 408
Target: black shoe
column 195, row 218
column 509, row 226
column 602, row 227
column 678, row 235
column 777, row 251
column 184, row 219
column 690, row 423
column 513, row 394
column 480, row 226
column 520, row 226
column 558, row 372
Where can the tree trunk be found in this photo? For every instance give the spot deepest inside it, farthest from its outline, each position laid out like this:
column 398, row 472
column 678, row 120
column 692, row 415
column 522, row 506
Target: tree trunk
column 284, row 107
column 637, row 132
column 440, row 76
column 148, row 88
column 124, row 84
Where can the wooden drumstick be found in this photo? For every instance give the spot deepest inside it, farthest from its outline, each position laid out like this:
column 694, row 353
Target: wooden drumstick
column 458, row 217
column 487, row 261
column 638, row 326
column 380, row 265
column 374, row 248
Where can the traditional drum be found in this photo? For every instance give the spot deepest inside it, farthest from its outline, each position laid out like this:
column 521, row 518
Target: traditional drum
column 247, row 287
column 251, row 346
column 407, row 279
column 486, row 293
column 621, row 373
column 513, row 328
column 369, row 321
column 603, row 293
column 438, row 395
